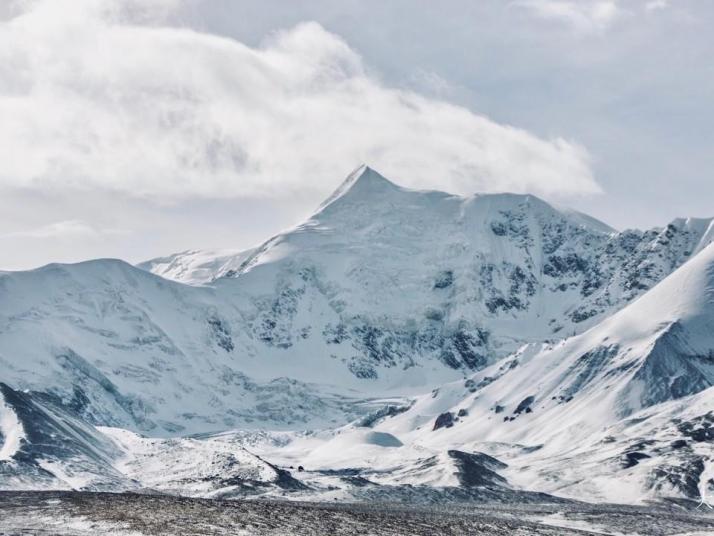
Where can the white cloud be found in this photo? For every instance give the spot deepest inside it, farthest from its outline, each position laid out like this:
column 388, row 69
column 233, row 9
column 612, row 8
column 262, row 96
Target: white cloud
column 430, row 83
column 98, row 94
column 582, row 15
column 656, row 5
column 62, row 229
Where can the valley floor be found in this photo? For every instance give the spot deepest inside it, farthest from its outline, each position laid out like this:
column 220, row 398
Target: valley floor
column 82, row 513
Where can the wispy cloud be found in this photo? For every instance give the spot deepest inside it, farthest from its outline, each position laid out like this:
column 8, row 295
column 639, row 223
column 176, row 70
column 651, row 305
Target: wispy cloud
column 63, row 229
column 581, row 15
column 656, row 5
column 98, row 94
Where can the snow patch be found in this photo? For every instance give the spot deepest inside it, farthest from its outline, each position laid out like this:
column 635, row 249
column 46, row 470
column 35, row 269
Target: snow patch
column 11, row 431
column 559, row 520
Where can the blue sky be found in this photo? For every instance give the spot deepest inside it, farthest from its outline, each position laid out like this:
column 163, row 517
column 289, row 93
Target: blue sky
column 136, row 128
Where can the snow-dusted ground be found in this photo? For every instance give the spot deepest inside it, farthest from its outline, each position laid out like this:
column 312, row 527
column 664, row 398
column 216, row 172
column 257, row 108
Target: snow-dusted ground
column 74, row 514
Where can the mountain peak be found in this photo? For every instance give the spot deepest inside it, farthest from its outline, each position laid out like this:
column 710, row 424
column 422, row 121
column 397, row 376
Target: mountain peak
column 363, row 181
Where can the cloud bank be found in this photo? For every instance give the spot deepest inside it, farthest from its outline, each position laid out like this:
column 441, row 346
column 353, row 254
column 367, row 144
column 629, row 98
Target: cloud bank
column 104, row 95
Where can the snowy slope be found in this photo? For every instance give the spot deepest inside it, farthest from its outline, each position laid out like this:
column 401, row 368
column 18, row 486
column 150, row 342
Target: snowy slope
column 196, row 267
column 49, row 447
column 126, row 348
column 631, row 401
column 659, row 348
column 11, row 432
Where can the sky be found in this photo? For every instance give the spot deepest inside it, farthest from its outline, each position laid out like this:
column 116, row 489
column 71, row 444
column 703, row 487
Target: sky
column 137, row 128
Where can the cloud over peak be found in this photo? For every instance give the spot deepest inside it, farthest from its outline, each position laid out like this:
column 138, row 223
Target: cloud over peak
column 102, row 94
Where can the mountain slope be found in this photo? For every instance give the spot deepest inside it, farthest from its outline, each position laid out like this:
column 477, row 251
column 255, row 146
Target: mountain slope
column 125, row 348
column 631, row 400
column 54, row 448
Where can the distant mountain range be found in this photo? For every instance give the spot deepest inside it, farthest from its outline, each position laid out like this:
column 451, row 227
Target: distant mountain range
column 397, row 344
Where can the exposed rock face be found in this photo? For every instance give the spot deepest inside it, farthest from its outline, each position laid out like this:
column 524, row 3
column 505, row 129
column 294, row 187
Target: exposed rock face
column 445, row 420
column 478, row 469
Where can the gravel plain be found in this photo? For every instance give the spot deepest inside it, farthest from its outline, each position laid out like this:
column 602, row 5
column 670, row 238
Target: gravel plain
column 125, row 514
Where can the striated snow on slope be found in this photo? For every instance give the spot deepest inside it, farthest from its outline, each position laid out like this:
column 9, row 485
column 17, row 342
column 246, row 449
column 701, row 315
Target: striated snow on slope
column 126, row 348
column 55, row 449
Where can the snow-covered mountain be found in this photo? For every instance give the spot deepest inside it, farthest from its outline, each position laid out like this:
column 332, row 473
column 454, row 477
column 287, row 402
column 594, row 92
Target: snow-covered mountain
column 540, row 335
column 383, row 292
column 390, row 277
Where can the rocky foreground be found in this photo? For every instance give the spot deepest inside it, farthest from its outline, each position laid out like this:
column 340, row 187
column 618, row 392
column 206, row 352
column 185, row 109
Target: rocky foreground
column 80, row 513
